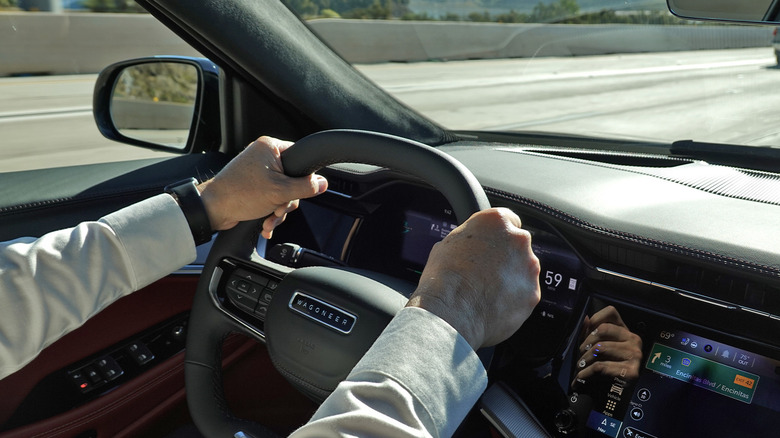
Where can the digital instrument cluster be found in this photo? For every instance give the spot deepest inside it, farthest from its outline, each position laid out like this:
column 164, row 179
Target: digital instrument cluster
column 394, row 230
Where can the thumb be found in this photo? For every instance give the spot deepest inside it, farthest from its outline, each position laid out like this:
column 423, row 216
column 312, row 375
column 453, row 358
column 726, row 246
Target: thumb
column 305, row 187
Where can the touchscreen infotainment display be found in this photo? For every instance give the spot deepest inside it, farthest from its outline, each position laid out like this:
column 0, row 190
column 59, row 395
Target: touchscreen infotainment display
column 692, row 386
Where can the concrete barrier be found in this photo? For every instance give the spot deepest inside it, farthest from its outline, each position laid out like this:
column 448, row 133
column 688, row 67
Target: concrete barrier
column 39, row 42
column 147, row 114
column 381, row 41
column 47, row 43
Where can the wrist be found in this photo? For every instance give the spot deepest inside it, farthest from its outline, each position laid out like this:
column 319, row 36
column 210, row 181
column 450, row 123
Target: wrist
column 187, row 195
column 446, row 304
column 210, row 201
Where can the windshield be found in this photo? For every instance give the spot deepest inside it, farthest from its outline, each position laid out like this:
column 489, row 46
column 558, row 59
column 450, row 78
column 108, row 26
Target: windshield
column 611, row 69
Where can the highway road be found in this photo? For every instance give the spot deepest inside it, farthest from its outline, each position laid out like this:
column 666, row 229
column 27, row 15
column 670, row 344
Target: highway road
column 721, row 96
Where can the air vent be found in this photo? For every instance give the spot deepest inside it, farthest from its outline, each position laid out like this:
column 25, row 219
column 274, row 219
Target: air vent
column 609, row 157
column 702, row 281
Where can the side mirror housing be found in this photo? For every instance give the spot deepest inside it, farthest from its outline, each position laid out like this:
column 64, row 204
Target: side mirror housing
column 748, row 11
column 166, row 103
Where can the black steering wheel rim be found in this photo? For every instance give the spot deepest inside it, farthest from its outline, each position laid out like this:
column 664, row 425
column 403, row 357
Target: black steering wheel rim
column 209, row 324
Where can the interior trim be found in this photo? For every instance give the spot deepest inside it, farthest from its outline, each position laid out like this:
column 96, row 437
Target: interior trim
column 690, row 295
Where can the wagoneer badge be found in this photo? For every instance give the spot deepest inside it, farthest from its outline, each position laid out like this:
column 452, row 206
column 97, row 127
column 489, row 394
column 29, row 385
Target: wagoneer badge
column 322, row 312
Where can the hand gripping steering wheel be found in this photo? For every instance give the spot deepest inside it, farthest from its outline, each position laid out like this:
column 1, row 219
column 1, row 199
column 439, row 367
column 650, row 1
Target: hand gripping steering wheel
column 320, row 321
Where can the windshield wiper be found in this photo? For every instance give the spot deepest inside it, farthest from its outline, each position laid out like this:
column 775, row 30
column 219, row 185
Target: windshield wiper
column 752, row 157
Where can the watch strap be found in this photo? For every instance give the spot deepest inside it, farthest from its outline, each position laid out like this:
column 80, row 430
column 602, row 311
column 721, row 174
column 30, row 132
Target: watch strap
column 187, row 195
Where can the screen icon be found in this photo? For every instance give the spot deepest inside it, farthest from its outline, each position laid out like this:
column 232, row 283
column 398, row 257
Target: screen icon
column 684, row 341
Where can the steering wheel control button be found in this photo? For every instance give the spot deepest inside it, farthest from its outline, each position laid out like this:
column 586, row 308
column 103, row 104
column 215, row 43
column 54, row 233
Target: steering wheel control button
column 242, row 301
column 322, row 312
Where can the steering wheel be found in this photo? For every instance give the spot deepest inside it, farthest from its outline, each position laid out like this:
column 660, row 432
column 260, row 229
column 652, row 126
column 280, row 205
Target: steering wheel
column 319, row 321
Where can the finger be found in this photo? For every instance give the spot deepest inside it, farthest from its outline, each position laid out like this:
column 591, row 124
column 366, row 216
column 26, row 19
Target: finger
column 281, row 145
column 605, row 332
column 628, row 370
column 510, row 216
column 270, row 223
column 609, row 351
column 270, row 142
column 286, row 208
column 607, row 315
column 300, row 188
column 586, row 329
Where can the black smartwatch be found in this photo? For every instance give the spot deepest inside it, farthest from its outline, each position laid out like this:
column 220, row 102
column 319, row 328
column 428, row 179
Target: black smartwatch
column 187, row 195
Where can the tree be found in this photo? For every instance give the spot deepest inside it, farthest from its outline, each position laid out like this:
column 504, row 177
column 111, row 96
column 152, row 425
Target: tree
column 512, row 17
column 113, row 6
column 479, row 17
column 553, row 12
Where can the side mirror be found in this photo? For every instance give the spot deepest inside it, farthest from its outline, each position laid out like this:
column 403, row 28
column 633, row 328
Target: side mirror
column 166, row 103
column 751, row 11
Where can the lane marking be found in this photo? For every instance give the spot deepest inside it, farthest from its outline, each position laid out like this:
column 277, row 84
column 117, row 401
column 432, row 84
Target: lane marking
column 492, row 82
column 42, row 114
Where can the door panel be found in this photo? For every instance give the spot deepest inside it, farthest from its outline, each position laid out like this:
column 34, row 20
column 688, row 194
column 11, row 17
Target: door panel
column 120, row 321
column 35, row 202
column 152, row 403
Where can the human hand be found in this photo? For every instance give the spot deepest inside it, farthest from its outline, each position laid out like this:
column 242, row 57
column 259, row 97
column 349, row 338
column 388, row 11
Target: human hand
column 608, row 348
column 482, row 279
column 253, row 185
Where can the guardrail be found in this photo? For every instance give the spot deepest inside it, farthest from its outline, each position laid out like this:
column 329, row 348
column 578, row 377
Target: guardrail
column 75, row 43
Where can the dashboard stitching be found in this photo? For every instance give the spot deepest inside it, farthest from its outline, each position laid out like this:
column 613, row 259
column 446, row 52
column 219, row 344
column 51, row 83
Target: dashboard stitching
column 12, row 209
column 726, row 189
column 763, row 269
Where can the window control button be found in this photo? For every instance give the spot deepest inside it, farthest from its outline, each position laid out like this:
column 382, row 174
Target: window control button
column 78, row 378
column 140, row 353
column 93, row 375
column 108, row 368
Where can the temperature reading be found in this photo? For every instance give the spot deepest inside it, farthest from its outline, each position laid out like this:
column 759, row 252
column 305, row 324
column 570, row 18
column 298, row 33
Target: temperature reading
column 552, row 279
column 666, row 335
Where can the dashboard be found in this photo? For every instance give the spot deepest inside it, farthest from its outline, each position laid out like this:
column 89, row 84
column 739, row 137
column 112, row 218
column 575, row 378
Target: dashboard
column 707, row 329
